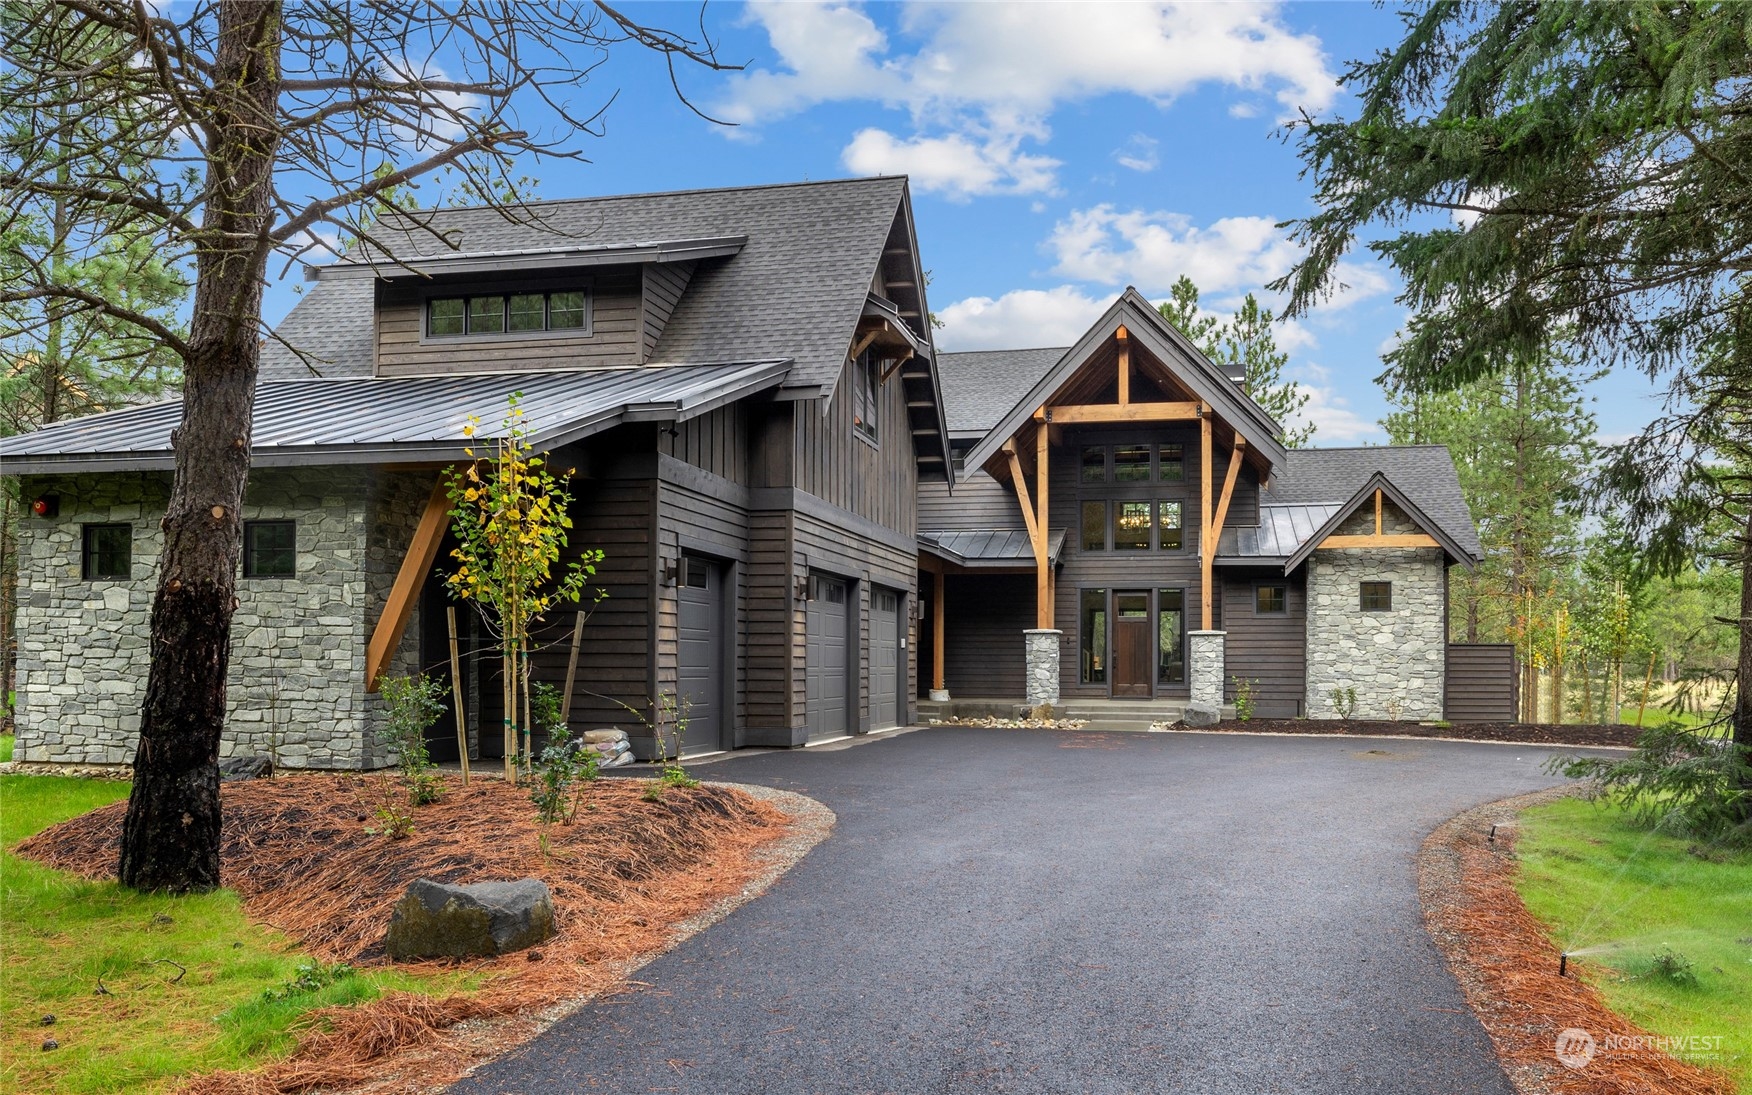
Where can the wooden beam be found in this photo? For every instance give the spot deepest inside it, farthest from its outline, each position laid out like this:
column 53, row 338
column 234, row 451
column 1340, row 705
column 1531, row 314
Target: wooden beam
column 1042, row 567
column 1021, row 481
column 939, row 617
column 1228, row 492
column 864, row 343
column 1377, row 512
column 1130, row 412
column 1124, row 367
column 1206, row 549
column 405, row 593
column 1397, row 540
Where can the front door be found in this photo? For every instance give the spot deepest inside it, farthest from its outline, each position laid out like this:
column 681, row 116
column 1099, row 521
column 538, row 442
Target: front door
column 1133, row 648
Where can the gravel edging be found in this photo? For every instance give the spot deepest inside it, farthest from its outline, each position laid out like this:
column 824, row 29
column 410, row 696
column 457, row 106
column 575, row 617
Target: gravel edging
column 811, row 823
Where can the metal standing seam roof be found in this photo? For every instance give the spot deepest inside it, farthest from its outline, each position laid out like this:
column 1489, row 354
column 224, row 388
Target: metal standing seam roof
column 989, row 547
column 793, row 291
column 1282, row 529
column 371, row 420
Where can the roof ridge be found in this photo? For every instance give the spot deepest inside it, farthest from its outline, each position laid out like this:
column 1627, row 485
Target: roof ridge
column 1369, row 448
column 671, row 193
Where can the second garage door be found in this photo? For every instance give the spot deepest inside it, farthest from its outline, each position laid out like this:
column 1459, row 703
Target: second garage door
column 827, row 624
column 884, row 659
column 700, row 652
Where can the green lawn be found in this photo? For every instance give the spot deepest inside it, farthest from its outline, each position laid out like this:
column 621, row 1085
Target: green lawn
column 239, row 990
column 1664, row 927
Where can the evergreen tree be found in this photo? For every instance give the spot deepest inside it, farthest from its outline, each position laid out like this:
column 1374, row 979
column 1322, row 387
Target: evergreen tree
column 1245, row 343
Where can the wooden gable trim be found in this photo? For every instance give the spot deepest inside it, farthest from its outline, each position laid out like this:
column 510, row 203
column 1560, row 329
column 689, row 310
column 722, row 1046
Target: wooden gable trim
column 1381, row 490
column 405, row 593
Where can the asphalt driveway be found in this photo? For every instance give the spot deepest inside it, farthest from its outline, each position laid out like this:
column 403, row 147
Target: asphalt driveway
column 1040, row 911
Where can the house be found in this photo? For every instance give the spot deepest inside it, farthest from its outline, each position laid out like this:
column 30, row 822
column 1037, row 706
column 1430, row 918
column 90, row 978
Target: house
column 787, row 481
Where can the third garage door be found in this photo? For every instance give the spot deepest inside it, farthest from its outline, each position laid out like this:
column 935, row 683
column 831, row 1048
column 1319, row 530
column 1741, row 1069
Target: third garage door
column 884, row 659
column 827, row 623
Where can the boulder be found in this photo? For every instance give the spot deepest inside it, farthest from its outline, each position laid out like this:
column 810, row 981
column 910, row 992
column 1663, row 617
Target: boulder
column 246, row 768
column 1202, row 714
column 436, row 920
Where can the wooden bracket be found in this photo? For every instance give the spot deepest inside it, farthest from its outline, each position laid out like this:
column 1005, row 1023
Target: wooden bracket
column 1022, row 498
column 409, row 580
column 1228, row 491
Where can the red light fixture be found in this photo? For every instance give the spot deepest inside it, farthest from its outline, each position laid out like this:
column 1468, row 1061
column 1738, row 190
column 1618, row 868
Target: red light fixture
column 49, row 505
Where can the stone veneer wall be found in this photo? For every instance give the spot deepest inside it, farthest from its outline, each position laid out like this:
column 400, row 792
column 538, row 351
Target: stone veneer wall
column 296, row 687
column 1395, row 660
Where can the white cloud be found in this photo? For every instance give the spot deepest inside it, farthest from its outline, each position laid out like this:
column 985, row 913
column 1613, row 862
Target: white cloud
column 1020, row 318
column 1115, row 247
column 1140, row 153
column 984, row 72
column 1243, row 110
column 1335, row 423
column 955, row 165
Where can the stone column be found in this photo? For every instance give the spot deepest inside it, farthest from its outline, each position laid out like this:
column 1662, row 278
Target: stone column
column 1041, row 648
column 1204, row 652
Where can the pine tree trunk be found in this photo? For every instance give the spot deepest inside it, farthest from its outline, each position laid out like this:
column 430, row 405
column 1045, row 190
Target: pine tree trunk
column 170, row 837
column 1743, row 683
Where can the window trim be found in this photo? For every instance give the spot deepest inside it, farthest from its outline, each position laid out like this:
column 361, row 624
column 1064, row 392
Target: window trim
column 1363, row 591
column 249, row 570
column 1185, row 680
column 547, row 291
column 1106, row 610
column 867, row 393
column 1284, row 611
column 86, row 553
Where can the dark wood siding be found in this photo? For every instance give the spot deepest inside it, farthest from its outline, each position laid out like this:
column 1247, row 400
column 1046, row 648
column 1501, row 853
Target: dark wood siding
column 664, row 282
column 878, row 482
column 702, row 517
column 1481, row 683
column 617, row 324
column 979, row 501
column 1268, row 650
column 716, row 442
column 982, row 649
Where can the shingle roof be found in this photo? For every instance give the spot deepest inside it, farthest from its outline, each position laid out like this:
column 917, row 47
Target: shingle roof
column 795, row 290
column 1314, row 483
column 370, row 420
column 980, row 385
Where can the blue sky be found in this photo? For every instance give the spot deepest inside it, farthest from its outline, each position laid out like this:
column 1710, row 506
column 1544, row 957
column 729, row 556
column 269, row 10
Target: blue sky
column 1057, row 154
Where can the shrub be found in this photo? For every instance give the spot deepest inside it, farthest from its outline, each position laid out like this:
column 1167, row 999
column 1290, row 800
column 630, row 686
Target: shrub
column 562, row 767
column 412, row 704
column 1674, row 968
column 1244, row 689
column 1678, row 779
column 1344, row 701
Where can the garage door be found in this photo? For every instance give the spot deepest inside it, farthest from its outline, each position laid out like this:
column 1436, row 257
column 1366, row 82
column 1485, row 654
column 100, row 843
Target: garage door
column 700, row 653
column 827, row 623
column 884, row 659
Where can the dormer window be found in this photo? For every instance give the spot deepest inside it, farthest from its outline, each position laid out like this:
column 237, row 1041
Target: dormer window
column 508, row 314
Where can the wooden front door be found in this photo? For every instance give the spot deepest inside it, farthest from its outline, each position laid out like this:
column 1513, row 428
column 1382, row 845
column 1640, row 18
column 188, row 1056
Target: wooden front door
column 1133, row 650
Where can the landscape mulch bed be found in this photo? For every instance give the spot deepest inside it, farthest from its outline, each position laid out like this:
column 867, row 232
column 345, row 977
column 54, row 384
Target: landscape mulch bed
column 1508, row 970
column 624, row 875
column 1542, row 733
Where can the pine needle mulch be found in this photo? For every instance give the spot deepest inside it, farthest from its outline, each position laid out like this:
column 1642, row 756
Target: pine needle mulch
column 624, row 875
column 1507, row 968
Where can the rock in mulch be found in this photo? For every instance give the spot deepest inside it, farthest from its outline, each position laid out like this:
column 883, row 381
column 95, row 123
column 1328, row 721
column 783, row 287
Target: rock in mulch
column 1201, row 714
column 1015, row 724
column 435, row 920
column 246, row 768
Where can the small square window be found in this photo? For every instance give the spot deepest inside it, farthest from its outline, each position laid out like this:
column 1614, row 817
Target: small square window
column 1168, row 536
column 270, row 549
column 108, row 551
column 1131, row 526
column 1171, row 463
column 527, row 312
column 1094, row 526
column 566, row 311
column 1094, row 465
column 1377, row 596
column 1131, row 463
column 446, row 317
column 486, row 315
column 1271, row 600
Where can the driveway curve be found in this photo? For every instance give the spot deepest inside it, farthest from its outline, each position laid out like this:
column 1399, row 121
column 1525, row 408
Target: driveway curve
column 1052, row 911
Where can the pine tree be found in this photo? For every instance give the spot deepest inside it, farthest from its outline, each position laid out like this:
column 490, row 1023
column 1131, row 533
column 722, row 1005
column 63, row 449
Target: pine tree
column 1246, row 343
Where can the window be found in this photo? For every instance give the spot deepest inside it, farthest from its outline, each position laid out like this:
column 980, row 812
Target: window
column 1131, row 464
column 507, row 313
column 866, row 394
column 1171, row 636
column 1168, row 536
column 1094, row 526
column 1095, row 465
column 1171, row 463
column 696, row 572
column 1271, row 600
column 1377, row 596
column 108, row 551
column 270, row 549
column 1131, row 526
column 1094, row 647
